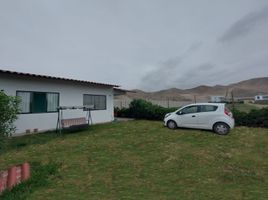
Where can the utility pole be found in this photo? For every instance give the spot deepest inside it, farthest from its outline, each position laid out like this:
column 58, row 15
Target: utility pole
column 226, row 95
column 232, row 95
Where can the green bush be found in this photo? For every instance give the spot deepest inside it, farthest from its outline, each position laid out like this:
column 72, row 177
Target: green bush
column 255, row 118
column 123, row 112
column 141, row 109
column 9, row 108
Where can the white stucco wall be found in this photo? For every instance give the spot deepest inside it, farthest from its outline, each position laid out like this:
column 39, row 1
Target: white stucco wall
column 71, row 94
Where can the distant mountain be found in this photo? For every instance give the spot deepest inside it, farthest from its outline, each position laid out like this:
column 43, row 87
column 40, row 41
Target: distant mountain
column 258, row 84
column 247, row 88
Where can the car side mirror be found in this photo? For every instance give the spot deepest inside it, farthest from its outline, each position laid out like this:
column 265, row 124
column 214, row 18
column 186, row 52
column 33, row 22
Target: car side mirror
column 180, row 113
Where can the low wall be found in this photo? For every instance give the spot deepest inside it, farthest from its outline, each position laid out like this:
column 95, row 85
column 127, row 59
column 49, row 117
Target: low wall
column 13, row 176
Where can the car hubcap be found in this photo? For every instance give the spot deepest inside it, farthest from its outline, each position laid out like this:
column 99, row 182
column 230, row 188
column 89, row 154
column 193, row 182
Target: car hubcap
column 221, row 129
column 171, row 125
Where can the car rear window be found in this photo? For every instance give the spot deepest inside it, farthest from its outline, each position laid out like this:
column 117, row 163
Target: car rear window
column 208, row 108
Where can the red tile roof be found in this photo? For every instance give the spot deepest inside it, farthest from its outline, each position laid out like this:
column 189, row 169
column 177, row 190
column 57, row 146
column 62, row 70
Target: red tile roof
column 55, row 78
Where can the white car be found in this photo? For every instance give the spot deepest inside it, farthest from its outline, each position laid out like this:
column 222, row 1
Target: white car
column 210, row 116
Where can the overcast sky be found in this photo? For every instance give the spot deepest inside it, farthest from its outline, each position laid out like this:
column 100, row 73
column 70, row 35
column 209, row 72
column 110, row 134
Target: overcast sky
column 145, row 44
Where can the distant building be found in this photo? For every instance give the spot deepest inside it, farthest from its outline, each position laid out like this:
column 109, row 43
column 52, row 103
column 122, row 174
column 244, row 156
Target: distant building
column 261, row 99
column 217, row 99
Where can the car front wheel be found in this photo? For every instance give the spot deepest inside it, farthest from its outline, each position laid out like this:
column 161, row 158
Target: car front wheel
column 171, row 124
column 221, row 128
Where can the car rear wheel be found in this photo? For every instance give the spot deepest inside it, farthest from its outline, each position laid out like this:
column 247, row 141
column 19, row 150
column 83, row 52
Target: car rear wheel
column 171, row 124
column 221, row 128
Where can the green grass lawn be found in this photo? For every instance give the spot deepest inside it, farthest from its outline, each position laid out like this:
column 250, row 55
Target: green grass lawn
column 144, row 160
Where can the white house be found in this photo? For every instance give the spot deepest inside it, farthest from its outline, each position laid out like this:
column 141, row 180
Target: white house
column 42, row 95
column 217, row 99
column 261, row 97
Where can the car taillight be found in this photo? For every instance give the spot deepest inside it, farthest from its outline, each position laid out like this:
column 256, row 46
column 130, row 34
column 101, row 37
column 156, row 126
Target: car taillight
column 228, row 112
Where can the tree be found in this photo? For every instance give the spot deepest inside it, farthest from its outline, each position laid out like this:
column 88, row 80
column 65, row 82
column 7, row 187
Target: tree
column 9, row 109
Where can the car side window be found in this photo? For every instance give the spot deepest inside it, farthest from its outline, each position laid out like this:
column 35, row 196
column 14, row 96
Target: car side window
column 189, row 110
column 208, row 108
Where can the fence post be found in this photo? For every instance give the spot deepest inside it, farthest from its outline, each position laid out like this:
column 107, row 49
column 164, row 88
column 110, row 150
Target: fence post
column 11, row 178
column 25, row 171
column 3, row 180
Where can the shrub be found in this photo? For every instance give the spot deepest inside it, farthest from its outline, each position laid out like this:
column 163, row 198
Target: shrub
column 9, row 107
column 141, row 109
column 255, row 118
column 123, row 112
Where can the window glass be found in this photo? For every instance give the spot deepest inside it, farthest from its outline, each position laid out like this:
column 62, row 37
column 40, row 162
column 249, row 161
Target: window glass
column 88, row 100
column 190, row 109
column 102, row 103
column 98, row 101
column 208, row 108
column 25, row 100
column 38, row 102
column 52, row 102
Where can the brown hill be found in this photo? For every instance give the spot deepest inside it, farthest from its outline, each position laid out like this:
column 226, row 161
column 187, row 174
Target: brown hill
column 172, row 94
column 247, row 88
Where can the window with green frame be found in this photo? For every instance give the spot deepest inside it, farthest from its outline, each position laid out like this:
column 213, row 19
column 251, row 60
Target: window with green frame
column 98, row 101
column 38, row 102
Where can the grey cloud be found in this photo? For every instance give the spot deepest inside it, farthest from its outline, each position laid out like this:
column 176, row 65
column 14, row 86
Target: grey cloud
column 167, row 69
column 197, row 75
column 206, row 67
column 119, row 41
column 246, row 24
column 200, row 74
column 160, row 76
column 195, row 46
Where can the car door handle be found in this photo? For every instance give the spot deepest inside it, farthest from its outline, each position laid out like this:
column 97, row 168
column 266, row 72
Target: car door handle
column 193, row 115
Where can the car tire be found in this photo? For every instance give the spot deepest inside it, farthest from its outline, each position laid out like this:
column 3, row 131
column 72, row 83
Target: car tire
column 171, row 124
column 221, row 128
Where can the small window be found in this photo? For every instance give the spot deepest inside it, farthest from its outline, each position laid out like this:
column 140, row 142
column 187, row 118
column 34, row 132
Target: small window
column 38, row 102
column 190, row 109
column 98, row 101
column 208, row 108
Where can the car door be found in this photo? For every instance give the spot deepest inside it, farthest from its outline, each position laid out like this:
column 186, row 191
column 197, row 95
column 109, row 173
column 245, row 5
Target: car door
column 187, row 117
column 206, row 116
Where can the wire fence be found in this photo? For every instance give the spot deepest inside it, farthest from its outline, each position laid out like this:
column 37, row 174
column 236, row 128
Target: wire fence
column 119, row 103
